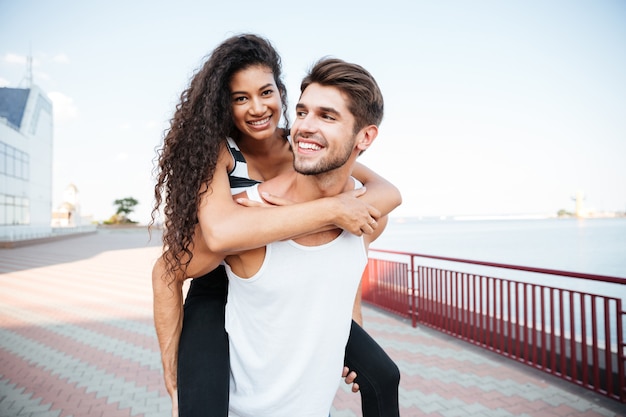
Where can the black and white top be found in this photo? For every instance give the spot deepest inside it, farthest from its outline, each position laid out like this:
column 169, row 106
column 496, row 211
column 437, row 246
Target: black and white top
column 238, row 176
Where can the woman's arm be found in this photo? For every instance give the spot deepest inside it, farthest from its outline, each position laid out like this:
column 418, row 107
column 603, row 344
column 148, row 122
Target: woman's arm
column 228, row 227
column 380, row 193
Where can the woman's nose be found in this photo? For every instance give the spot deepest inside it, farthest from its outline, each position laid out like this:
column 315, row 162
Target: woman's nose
column 257, row 106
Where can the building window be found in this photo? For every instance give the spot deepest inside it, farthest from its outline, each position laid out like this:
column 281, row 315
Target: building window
column 14, row 210
column 14, row 163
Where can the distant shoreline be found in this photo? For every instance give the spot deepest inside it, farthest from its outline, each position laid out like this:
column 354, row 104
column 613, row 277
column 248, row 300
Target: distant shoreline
column 607, row 215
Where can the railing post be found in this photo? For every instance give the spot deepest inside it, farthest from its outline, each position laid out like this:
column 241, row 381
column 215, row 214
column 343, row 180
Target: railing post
column 621, row 352
column 413, row 294
column 476, row 307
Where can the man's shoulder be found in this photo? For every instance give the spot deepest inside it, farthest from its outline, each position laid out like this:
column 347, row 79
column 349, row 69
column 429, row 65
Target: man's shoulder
column 278, row 185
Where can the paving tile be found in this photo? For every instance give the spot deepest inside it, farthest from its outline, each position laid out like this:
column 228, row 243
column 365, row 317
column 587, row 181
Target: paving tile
column 77, row 339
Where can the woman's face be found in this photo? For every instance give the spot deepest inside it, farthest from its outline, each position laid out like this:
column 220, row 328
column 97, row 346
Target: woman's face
column 256, row 102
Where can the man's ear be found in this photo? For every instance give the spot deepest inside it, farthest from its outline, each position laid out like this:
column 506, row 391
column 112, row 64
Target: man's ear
column 366, row 137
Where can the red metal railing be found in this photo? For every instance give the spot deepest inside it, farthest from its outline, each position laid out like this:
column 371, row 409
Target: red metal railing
column 575, row 335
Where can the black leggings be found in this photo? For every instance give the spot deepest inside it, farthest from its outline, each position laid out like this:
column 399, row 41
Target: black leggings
column 377, row 375
column 203, row 358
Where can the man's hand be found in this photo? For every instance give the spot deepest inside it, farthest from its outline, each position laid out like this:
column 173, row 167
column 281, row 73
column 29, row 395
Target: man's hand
column 172, row 390
column 349, row 378
column 168, row 321
column 175, row 403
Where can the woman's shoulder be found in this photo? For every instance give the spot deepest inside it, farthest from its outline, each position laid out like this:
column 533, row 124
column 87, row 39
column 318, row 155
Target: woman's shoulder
column 231, row 143
column 226, row 157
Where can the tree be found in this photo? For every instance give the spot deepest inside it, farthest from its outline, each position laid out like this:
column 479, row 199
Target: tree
column 125, row 206
column 564, row 213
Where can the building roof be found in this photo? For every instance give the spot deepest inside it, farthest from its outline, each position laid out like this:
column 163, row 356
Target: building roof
column 12, row 105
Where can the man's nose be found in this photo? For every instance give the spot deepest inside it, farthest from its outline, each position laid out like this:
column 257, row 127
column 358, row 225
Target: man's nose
column 307, row 124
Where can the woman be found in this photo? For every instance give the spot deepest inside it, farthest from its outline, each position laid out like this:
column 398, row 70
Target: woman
column 198, row 171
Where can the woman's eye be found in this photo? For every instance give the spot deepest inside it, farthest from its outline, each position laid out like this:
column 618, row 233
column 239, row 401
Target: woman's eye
column 267, row 92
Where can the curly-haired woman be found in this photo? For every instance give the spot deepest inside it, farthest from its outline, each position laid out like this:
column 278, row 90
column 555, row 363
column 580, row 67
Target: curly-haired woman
column 225, row 136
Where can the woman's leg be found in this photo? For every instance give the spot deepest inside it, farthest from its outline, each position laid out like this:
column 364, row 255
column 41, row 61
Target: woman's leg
column 203, row 359
column 377, row 375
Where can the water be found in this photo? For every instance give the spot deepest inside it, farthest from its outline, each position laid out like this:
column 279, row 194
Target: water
column 594, row 246
column 591, row 246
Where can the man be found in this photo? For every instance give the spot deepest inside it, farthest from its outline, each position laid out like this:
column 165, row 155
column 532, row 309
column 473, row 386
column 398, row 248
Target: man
column 289, row 304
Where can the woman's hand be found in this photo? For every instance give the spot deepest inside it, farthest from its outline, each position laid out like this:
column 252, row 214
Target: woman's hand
column 354, row 214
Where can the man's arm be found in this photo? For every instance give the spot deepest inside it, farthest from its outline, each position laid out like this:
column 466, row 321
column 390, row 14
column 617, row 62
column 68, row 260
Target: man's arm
column 167, row 292
column 168, row 321
column 368, row 239
column 357, row 314
column 385, row 197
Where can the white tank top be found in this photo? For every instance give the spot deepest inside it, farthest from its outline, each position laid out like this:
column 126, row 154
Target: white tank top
column 288, row 326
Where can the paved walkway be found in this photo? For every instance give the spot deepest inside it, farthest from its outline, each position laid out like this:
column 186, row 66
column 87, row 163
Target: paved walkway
column 76, row 339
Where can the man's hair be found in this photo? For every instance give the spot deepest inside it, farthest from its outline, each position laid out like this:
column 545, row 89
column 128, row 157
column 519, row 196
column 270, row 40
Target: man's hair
column 365, row 100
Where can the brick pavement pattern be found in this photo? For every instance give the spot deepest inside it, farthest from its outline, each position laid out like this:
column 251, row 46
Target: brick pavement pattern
column 77, row 339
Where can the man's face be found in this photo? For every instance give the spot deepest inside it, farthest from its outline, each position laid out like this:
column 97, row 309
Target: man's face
column 322, row 134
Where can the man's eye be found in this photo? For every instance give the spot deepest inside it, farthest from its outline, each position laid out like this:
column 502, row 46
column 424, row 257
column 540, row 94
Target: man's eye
column 328, row 117
column 300, row 114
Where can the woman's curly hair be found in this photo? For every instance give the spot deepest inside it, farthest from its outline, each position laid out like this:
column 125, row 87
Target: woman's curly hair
column 202, row 121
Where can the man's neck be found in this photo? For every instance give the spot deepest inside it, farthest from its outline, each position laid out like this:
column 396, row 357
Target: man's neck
column 311, row 187
column 304, row 188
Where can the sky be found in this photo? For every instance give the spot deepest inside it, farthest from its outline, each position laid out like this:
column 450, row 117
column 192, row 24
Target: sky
column 491, row 107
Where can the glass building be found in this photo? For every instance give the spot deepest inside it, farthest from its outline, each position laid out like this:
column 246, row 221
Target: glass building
column 25, row 163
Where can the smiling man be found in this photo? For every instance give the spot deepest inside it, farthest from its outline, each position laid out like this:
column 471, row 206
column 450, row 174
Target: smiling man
column 289, row 305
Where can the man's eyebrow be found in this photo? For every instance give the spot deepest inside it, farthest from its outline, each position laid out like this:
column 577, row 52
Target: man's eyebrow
column 330, row 110
column 321, row 109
